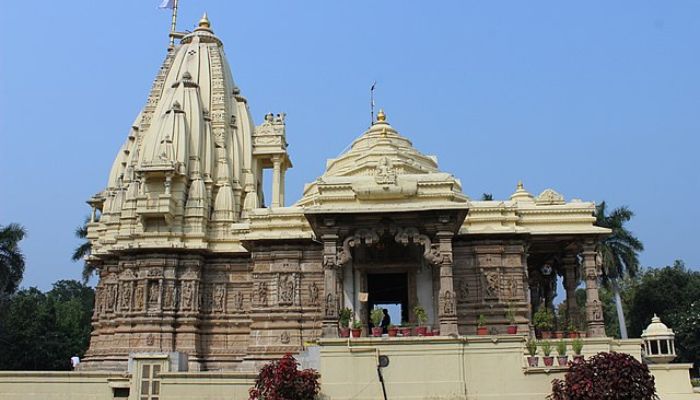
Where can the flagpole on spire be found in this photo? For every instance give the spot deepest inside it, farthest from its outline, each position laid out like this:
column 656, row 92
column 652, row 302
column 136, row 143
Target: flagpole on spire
column 173, row 24
column 371, row 103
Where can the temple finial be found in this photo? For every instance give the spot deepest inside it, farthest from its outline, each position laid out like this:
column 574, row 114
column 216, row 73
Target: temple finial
column 381, row 117
column 204, row 22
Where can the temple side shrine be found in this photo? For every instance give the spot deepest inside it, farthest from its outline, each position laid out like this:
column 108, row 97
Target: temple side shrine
column 202, row 280
column 193, row 260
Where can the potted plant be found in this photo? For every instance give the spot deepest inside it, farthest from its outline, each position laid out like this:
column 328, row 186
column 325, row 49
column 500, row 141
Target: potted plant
column 547, row 350
column 512, row 328
column 532, row 359
column 481, row 328
column 393, row 330
column 544, row 321
column 344, row 322
column 577, row 346
column 376, row 317
column 356, row 329
column 573, row 333
column 405, row 330
column 562, row 359
column 421, row 318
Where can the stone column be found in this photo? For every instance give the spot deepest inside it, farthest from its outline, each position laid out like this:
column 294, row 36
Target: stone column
column 276, row 180
column 282, row 184
column 570, row 283
column 594, row 308
column 330, row 286
column 447, row 312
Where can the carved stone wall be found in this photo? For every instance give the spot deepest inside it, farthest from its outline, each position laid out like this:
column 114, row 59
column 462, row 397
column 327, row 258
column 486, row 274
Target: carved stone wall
column 489, row 277
column 225, row 312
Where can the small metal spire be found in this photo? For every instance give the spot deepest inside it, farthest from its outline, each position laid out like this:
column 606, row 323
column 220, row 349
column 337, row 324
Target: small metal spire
column 204, row 22
column 381, row 117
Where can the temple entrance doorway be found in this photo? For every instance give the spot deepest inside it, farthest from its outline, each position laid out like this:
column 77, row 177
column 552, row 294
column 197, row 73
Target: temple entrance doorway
column 390, row 291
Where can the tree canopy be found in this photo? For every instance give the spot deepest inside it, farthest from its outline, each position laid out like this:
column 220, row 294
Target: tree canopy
column 11, row 258
column 49, row 327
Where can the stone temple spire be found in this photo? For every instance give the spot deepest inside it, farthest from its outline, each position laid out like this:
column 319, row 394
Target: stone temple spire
column 188, row 154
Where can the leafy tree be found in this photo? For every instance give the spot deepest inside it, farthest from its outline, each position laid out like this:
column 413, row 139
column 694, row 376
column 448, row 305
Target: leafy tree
column 619, row 253
column 487, row 197
column 83, row 250
column 673, row 293
column 49, row 327
column 11, row 258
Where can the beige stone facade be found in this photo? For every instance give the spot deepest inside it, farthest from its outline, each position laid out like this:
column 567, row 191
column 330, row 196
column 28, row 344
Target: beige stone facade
column 192, row 259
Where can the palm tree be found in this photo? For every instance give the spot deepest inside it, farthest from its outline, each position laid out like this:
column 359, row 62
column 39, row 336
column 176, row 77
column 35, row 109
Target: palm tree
column 83, row 250
column 486, row 197
column 619, row 253
column 11, row 258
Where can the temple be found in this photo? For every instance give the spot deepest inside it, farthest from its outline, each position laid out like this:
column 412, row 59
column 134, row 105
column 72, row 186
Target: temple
column 193, row 259
column 202, row 280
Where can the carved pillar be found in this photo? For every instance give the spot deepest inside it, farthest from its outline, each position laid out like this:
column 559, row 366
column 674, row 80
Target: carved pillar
column 447, row 313
column 276, row 180
column 570, row 284
column 594, row 308
column 330, row 285
column 282, row 184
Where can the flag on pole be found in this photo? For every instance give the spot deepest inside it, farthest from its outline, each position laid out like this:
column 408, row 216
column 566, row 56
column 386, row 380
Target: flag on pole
column 167, row 4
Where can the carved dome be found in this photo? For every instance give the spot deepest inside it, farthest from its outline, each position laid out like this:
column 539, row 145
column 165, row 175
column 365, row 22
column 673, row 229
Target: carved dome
column 382, row 166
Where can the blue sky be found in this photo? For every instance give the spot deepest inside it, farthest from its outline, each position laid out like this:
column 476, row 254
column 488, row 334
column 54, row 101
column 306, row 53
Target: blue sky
column 599, row 100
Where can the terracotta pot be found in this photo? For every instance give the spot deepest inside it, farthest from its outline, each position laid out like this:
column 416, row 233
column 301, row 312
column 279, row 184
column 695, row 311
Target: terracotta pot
column 482, row 330
column 548, row 361
column 405, row 331
column 574, row 335
column 393, row 331
column 344, row 332
column 512, row 329
column 546, row 334
column 562, row 361
column 533, row 361
column 421, row 330
column 559, row 334
column 356, row 332
column 377, row 331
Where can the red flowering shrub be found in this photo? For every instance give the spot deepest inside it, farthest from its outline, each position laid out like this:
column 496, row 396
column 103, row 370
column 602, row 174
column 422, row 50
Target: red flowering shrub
column 609, row 376
column 281, row 380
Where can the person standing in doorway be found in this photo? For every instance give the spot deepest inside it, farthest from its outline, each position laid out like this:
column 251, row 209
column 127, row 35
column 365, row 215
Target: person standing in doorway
column 386, row 321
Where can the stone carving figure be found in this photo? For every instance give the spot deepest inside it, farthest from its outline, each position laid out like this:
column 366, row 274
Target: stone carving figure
column 385, row 173
column 126, row 295
column 596, row 311
column 492, row 284
column 331, row 310
column 463, row 290
column 238, row 300
column 153, row 291
column 284, row 337
column 169, row 298
column 99, row 301
column 219, row 298
column 138, row 303
column 112, row 300
column 262, row 293
column 448, row 303
column 313, row 293
column 286, row 289
column 187, row 294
